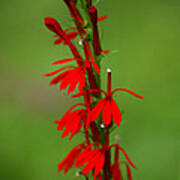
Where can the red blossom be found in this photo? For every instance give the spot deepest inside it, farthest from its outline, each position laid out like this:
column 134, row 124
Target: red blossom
column 72, row 121
column 68, row 162
column 108, row 106
column 95, row 155
column 72, row 76
column 115, row 168
column 95, row 158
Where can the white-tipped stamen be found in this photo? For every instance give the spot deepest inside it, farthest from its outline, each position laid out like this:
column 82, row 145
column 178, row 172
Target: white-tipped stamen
column 109, row 69
column 78, row 173
column 102, row 125
column 81, row 42
column 117, row 139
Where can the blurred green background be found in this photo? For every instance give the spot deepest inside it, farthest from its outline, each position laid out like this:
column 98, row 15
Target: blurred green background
column 146, row 36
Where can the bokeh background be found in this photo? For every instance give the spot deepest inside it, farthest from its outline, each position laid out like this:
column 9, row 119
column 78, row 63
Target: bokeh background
column 145, row 38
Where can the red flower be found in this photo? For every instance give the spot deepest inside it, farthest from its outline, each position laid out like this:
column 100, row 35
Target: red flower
column 115, row 168
column 73, row 76
column 72, row 120
column 95, row 158
column 107, row 105
column 116, row 171
column 64, row 36
column 68, row 162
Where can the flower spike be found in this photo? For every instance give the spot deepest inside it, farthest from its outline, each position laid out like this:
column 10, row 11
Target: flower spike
column 81, row 72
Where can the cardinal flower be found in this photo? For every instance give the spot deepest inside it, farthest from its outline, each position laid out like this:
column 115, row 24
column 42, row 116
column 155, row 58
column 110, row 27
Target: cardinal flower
column 68, row 162
column 107, row 105
column 95, row 158
column 72, row 76
column 115, row 168
column 72, row 121
column 64, row 36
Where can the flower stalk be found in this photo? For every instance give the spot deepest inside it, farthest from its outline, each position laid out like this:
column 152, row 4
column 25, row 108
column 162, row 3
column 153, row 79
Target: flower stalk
column 98, row 112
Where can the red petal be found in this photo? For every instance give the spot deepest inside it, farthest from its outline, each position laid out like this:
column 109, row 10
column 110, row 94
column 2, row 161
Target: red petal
column 100, row 165
column 116, row 113
column 95, row 112
column 78, row 95
column 92, row 163
column 58, row 41
column 126, row 156
column 63, row 163
column 106, row 51
column 116, row 172
column 77, row 124
column 107, row 112
column 82, row 82
column 85, row 156
column 63, row 122
column 66, row 60
column 128, row 172
column 128, row 91
column 102, row 18
column 72, row 79
column 73, row 84
column 79, row 78
column 68, row 79
column 71, row 28
column 96, row 67
column 55, row 72
column 59, row 77
column 71, row 35
column 71, row 122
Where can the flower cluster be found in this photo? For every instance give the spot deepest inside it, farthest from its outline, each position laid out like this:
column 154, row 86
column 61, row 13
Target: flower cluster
column 98, row 112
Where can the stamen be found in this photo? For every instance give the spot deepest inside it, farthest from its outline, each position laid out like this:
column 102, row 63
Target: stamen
column 81, row 42
column 102, row 125
column 108, row 69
